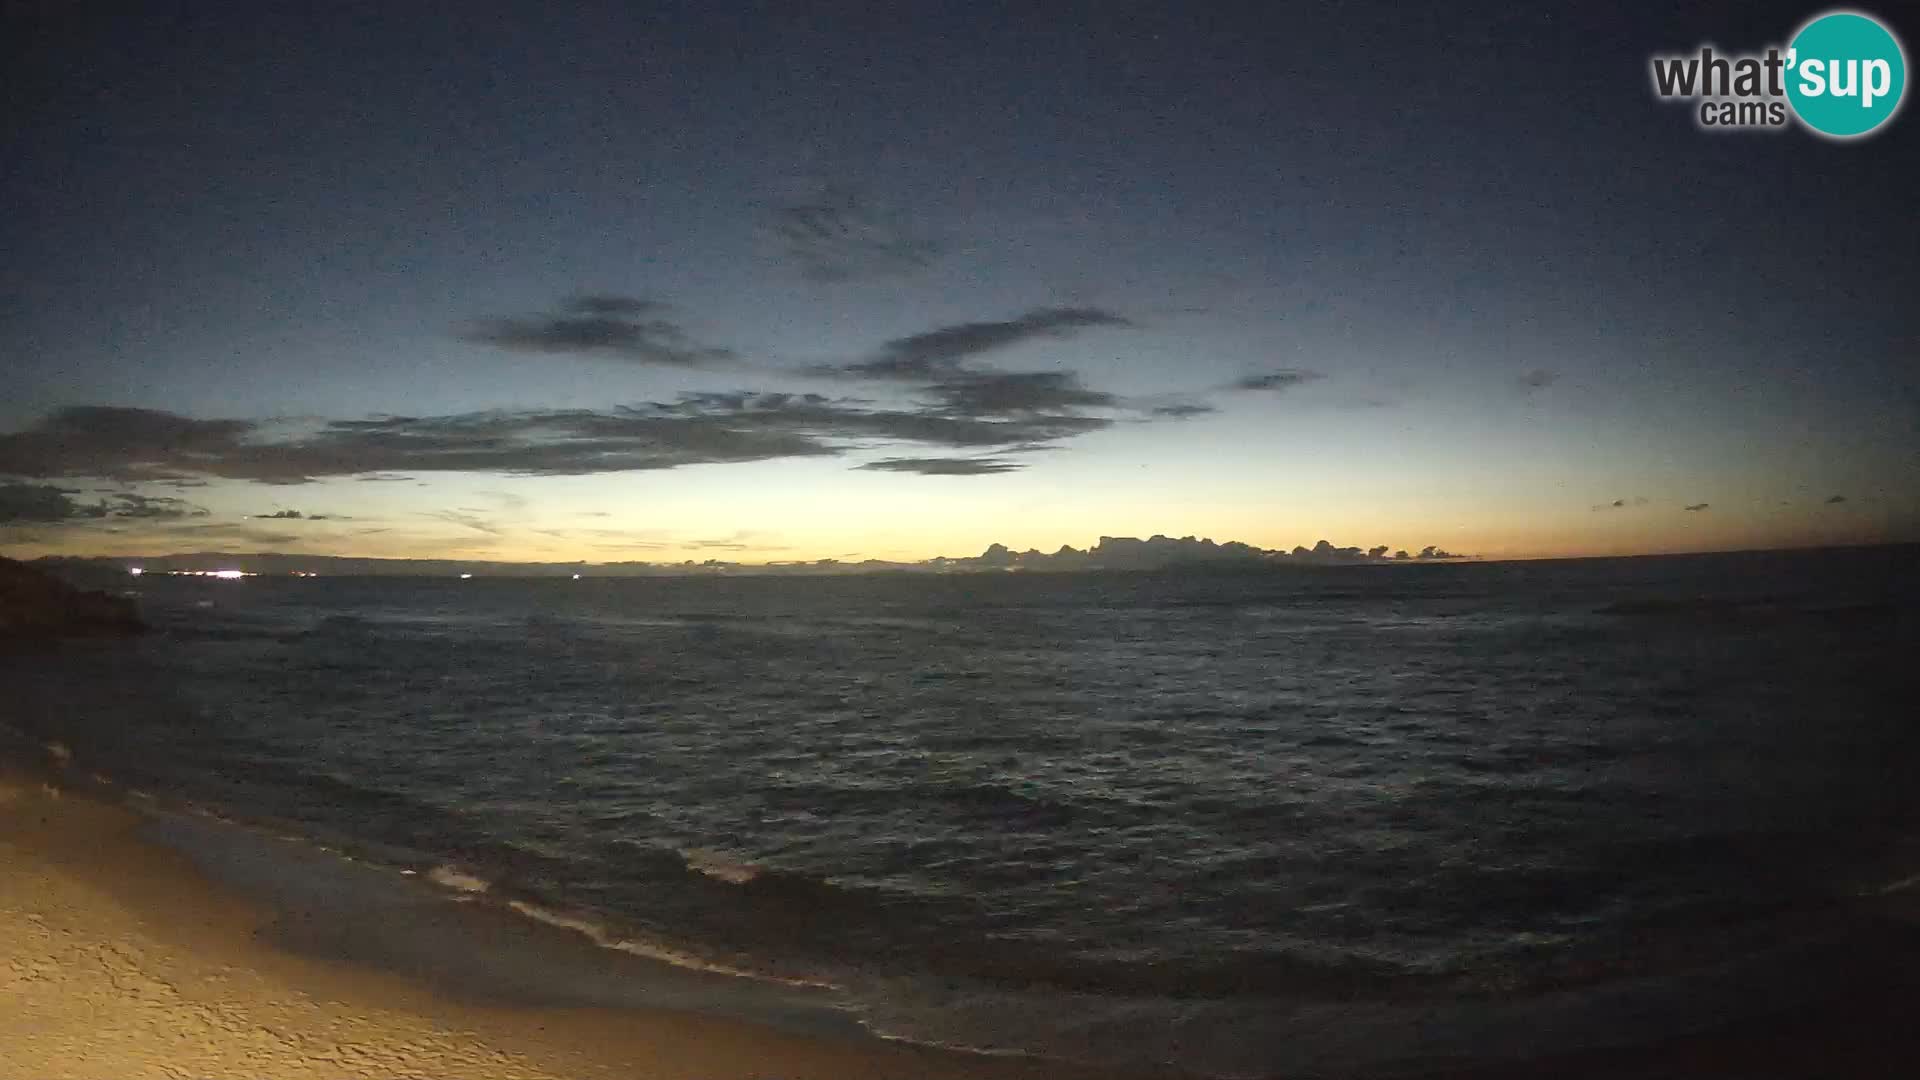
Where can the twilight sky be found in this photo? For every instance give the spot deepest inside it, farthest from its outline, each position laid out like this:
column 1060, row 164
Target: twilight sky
column 663, row 281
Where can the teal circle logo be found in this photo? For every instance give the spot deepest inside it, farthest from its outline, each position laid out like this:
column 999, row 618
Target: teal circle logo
column 1846, row 74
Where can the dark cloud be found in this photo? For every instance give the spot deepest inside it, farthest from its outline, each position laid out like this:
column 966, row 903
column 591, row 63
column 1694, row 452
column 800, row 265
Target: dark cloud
column 1621, row 504
column 941, row 353
column 1834, row 500
column 153, row 507
column 837, row 237
column 966, row 406
column 1696, row 507
column 1180, row 410
column 36, row 504
column 468, row 520
column 1278, row 380
column 740, row 541
column 1015, row 393
column 284, row 515
column 626, row 328
column 47, row 504
column 1431, row 552
column 119, row 443
column 711, row 428
column 1538, row 379
column 816, row 417
column 945, row 466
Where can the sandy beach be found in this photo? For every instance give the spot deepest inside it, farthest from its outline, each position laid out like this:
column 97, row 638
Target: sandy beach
column 119, row 960
column 122, row 959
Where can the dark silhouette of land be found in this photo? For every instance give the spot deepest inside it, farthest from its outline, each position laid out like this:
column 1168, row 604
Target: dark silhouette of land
column 1109, row 553
column 35, row 605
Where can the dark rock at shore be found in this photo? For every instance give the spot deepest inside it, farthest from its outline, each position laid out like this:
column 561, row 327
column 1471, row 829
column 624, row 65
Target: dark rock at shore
column 37, row 606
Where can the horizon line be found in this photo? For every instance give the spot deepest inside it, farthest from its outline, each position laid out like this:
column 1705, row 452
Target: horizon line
column 1279, row 557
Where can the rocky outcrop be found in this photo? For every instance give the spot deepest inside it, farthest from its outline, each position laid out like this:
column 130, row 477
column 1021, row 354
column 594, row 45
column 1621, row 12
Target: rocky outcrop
column 35, row 605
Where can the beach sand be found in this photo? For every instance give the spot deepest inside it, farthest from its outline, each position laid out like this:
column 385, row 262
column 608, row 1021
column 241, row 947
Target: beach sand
column 119, row 960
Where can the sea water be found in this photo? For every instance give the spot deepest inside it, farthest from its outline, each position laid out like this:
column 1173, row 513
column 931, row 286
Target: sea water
column 1237, row 822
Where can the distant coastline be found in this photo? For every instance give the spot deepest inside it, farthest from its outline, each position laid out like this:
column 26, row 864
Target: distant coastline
column 1122, row 553
column 1112, row 554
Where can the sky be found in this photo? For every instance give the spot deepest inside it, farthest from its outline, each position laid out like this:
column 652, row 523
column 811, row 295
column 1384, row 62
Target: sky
column 787, row 282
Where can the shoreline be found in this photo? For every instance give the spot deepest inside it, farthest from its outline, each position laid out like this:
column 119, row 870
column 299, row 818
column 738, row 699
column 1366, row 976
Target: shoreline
column 138, row 942
column 121, row 959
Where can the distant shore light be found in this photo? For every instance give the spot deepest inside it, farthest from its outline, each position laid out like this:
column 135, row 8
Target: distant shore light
column 464, row 577
column 137, row 571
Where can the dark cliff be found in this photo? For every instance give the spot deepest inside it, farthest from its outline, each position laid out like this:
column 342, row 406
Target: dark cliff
column 35, row 605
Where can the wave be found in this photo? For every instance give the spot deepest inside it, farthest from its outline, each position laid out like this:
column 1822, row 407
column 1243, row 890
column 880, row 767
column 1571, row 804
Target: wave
column 986, row 799
column 1743, row 609
column 452, row 877
column 719, row 867
column 1006, row 803
column 606, row 937
column 1911, row 881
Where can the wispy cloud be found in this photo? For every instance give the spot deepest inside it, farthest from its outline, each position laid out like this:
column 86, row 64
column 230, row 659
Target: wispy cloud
column 36, row 504
column 1621, row 504
column 116, row 442
column 943, row 352
column 1835, row 500
column 744, row 540
column 138, row 445
column 630, row 329
column 943, row 466
column 956, row 395
column 48, row 504
column 839, row 237
column 150, row 507
column 468, row 520
column 1181, row 410
column 1011, row 393
column 231, row 532
column 1275, row 381
column 955, row 406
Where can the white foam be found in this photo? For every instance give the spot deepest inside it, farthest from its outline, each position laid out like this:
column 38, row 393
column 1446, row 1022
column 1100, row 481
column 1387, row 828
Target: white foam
column 454, row 878
column 1902, row 885
column 598, row 934
column 719, row 867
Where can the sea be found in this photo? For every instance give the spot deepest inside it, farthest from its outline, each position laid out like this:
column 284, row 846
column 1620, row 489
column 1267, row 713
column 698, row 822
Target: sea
column 1231, row 822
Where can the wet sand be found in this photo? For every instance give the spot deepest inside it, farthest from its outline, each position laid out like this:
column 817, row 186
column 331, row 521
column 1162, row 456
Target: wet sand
column 120, row 960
